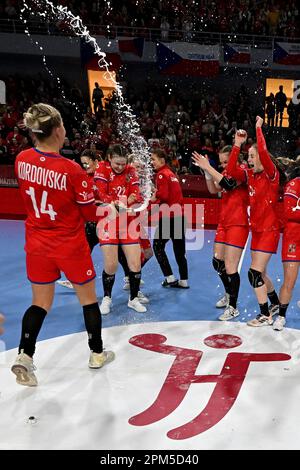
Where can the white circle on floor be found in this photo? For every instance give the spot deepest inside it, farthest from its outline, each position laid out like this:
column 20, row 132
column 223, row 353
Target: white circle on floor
column 173, row 385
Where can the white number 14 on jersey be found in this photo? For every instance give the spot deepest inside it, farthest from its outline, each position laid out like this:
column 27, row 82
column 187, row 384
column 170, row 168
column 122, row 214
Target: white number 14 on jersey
column 50, row 211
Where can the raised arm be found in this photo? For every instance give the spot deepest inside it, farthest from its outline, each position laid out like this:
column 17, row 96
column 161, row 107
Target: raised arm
column 264, row 155
column 212, row 176
column 233, row 168
column 214, row 179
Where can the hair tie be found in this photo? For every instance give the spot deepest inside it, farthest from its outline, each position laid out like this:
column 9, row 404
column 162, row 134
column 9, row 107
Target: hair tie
column 37, row 131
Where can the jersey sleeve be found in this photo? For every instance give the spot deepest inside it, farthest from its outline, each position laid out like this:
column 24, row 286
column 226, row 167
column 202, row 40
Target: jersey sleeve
column 264, row 155
column 292, row 202
column 82, row 186
column 101, row 181
column 233, row 170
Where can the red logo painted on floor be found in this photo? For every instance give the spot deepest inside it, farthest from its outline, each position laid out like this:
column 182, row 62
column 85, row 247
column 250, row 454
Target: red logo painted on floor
column 182, row 375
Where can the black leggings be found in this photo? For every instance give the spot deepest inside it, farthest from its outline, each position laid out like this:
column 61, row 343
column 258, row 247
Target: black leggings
column 171, row 229
column 91, row 234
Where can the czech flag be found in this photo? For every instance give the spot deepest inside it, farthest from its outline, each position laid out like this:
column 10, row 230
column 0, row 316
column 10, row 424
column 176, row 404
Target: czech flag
column 132, row 45
column 286, row 53
column 189, row 59
column 237, row 54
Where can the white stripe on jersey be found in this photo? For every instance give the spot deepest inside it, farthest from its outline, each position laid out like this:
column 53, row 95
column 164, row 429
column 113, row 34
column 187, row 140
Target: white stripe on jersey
column 86, row 202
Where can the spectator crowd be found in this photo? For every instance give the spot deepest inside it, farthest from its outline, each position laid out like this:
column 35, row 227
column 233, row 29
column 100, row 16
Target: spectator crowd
column 178, row 122
column 274, row 18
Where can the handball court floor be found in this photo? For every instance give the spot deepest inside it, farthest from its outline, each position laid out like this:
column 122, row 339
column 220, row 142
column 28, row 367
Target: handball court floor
column 77, row 408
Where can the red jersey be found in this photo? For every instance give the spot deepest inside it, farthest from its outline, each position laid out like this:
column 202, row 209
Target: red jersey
column 263, row 187
column 112, row 186
column 234, row 206
column 291, row 202
column 168, row 187
column 54, row 190
column 263, row 195
column 168, row 191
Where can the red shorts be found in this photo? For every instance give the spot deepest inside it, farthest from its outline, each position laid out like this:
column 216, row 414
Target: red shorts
column 145, row 244
column 118, row 232
column 291, row 243
column 234, row 235
column 267, row 242
column 43, row 270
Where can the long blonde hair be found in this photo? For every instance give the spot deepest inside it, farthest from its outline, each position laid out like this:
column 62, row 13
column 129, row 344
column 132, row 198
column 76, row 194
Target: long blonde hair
column 41, row 119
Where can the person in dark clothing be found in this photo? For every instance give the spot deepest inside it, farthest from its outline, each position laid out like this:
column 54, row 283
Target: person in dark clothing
column 280, row 104
column 97, row 98
column 171, row 225
column 270, row 109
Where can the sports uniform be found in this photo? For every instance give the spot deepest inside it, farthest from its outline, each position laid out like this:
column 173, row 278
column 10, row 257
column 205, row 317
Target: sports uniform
column 171, row 224
column 263, row 189
column 291, row 232
column 113, row 187
column 58, row 197
column 233, row 227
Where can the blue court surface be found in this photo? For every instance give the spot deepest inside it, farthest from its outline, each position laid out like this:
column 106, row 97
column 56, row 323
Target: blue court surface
column 127, row 396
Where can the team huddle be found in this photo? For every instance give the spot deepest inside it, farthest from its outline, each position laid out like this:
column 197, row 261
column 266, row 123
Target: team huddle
column 70, row 210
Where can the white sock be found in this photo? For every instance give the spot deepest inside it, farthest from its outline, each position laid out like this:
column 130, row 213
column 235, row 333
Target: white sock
column 171, row 278
column 183, row 283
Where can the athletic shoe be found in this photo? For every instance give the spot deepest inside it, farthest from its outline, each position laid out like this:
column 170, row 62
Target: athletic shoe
column 105, row 306
column 136, row 305
column 65, row 283
column 126, row 285
column 229, row 313
column 24, row 369
column 273, row 309
column 180, row 285
column 298, row 303
column 165, row 283
column 142, row 298
column 223, row 302
column 260, row 320
column 97, row 360
column 279, row 323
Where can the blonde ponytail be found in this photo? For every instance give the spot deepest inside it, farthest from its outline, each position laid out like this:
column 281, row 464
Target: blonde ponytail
column 41, row 119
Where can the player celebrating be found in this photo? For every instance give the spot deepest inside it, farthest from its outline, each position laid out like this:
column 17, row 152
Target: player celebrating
column 89, row 162
column 263, row 181
column 118, row 188
column 290, row 243
column 233, row 228
column 57, row 197
column 146, row 248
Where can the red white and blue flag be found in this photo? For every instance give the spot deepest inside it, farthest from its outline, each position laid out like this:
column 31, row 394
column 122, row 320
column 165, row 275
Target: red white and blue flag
column 286, row 53
column 190, row 59
column 237, row 54
column 131, row 45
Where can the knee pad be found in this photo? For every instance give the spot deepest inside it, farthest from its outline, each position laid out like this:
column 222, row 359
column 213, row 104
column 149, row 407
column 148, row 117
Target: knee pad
column 219, row 265
column 255, row 278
